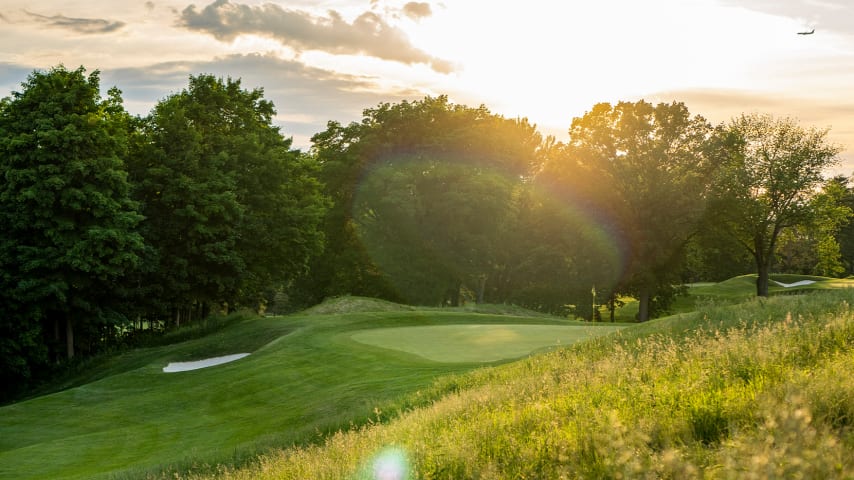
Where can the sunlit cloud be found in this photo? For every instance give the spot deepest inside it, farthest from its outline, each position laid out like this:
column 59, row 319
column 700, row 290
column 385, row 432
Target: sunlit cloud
column 306, row 98
column 80, row 25
column 368, row 34
column 417, row 10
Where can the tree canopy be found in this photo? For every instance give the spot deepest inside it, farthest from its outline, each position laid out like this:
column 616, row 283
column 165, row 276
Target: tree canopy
column 68, row 227
column 425, row 188
column 232, row 212
column 653, row 169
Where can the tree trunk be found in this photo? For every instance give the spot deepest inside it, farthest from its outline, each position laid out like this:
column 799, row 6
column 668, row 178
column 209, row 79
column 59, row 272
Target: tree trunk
column 643, row 304
column 764, row 273
column 612, row 306
column 763, row 266
column 764, row 260
column 69, row 337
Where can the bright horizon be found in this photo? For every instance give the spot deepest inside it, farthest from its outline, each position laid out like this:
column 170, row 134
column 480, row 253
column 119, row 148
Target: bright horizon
column 547, row 61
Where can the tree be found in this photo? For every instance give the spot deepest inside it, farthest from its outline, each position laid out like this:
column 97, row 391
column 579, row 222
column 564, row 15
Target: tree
column 653, row 170
column 232, row 211
column 845, row 235
column 69, row 227
column 813, row 248
column 423, row 189
column 562, row 246
column 771, row 171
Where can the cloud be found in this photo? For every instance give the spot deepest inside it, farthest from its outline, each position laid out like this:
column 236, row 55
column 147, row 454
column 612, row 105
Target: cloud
column 417, row 10
column 305, row 98
column 834, row 15
column 368, row 34
column 80, row 25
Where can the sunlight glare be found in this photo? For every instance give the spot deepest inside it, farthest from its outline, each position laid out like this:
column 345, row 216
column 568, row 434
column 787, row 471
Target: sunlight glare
column 390, row 464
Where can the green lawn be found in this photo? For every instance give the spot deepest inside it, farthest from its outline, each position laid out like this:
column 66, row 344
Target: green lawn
column 305, row 377
column 478, row 342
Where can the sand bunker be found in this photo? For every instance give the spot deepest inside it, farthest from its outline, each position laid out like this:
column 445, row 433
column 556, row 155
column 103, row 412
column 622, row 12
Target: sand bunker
column 796, row 284
column 208, row 362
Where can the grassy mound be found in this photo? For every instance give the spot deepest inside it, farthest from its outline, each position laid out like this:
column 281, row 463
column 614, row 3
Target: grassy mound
column 761, row 390
column 352, row 304
column 355, row 304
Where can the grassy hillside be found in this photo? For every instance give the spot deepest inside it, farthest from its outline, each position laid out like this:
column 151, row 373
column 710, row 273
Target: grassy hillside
column 306, row 377
column 758, row 390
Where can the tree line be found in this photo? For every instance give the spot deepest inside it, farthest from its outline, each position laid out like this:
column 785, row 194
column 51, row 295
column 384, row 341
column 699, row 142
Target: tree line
column 112, row 224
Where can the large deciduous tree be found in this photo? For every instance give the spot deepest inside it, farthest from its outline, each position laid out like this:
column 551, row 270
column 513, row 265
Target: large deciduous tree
column 771, row 172
column 68, row 228
column 653, row 169
column 232, row 212
column 422, row 190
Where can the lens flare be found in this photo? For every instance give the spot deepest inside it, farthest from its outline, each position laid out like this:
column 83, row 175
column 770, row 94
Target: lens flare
column 390, row 464
column 423, row 220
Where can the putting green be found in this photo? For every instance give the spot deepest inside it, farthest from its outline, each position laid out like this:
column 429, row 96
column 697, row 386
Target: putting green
column 478, row 342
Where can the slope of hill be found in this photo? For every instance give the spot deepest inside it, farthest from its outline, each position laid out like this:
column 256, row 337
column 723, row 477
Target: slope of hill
column 305, row 377
column 757, row 390
column 752, row 390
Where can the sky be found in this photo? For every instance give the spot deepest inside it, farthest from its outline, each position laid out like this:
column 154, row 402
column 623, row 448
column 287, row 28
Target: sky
column 544, row 60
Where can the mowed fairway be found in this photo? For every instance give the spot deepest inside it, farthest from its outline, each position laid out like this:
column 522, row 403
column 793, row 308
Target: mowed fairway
column 305, row 376
column 478, row 342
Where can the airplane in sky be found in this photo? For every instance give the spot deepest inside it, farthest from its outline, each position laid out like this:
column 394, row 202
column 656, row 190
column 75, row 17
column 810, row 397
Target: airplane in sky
column 807, row 33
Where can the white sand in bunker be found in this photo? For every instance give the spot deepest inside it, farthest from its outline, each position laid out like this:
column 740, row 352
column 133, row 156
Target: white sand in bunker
column 208, row 362
column 796, row 284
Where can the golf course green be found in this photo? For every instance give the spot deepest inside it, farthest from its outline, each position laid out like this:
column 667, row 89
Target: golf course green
column 478, row 342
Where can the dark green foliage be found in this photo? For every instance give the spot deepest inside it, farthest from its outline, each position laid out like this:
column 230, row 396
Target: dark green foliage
column 422, row 194
column 228, row 211
column 232, row 212
column 845, row 235
column 69, row 229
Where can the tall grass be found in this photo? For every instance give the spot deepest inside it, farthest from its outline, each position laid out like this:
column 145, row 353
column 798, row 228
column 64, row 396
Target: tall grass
column 761, row 390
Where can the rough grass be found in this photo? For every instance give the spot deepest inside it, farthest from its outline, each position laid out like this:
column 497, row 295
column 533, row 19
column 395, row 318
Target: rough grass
column 354, row 304
column 761, row 390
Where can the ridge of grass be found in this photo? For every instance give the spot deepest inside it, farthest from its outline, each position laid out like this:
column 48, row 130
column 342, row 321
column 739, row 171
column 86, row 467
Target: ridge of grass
column 356, row 304
column 758, row 390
